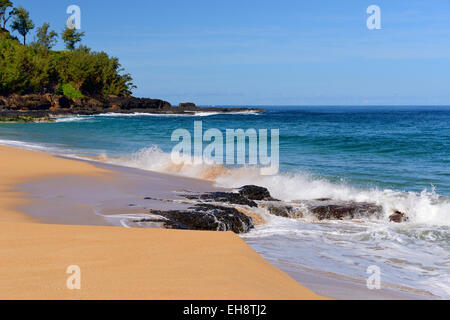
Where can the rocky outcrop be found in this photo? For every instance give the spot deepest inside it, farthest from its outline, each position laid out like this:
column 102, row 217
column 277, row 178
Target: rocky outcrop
column 398, row 217
column 205, row 217
column 61, row 105
column 224, row 197
column 91, row 104
column 321, row 209
column 340, row 210
column 187, row 106
column 283, row 210
column 30, row 102
column 256, row 193
column 208, row 214
column 131, row 103
column 325, row 209
column 246, row 196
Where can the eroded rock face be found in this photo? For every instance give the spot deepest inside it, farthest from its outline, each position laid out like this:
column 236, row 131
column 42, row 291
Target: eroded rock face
column 206, row 217
column 51, row 104
column 322, row 209
column 256, row 193
column 225, row 197
column 27, row 102
column 340, row 210
column 281, row 209
column 187, row 106
column 130, row 103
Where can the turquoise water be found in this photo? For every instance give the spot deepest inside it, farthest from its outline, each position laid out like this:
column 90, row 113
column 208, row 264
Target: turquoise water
column 397, row 157
column 401, row 148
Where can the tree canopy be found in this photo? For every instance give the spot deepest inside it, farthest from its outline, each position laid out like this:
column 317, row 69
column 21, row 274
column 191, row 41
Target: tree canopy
column 45, row 37
column 6, row 12
column 22, row 23
column 36, row 68
column 71, row 37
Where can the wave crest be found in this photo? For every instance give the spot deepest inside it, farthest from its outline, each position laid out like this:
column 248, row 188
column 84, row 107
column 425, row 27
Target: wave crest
column 426, row 208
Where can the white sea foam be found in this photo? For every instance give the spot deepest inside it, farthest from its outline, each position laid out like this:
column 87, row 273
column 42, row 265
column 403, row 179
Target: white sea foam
column 427, row 207
column 413, row 256
column 80, row 118
column 424, row 208
column 412, row 259
column 27, row 145
column 75, row 119
column 189, row 114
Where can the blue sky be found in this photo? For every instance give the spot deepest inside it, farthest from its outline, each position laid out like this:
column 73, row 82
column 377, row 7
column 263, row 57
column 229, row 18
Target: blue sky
column 271, row 52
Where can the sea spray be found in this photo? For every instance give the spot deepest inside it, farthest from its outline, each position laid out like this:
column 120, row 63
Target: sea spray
column 230, row 149
column 426, row 207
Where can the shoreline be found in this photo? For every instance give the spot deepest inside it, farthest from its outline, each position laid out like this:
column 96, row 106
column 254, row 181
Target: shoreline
column 220, row 265
column 51, row 117
column 120, row 263
column 17, row 168
column 47, row 107
column 46, row 195
column 118, row 212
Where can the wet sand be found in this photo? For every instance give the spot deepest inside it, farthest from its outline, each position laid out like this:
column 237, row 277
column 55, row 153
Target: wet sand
column 18, row 166
column 128, row 194
column 116, row 263
column 123, row 199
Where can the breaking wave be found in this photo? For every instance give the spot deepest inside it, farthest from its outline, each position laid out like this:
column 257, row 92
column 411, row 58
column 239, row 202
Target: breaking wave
column 412, row 255
column 79, row 118
column 426, row 207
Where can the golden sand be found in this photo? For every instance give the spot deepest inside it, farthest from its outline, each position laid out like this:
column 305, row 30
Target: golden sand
column 119, row 263
column 18, row 165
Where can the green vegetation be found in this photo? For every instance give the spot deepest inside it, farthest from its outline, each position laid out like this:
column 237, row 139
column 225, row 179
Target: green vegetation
column 45, row 37
column 22, row 23
column 36, row 68
column 6, row 12
column 71, row 37
column 69, row 91
column 25, row 119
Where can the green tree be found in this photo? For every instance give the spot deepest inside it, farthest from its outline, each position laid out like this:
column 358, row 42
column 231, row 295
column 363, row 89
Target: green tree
column 22, row 23
column 71, row 37
column 76, row 73
column 6, row 12
column 45, row 37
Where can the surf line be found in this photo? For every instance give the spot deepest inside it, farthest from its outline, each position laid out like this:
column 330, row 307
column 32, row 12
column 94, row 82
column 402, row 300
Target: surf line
column 230, row 150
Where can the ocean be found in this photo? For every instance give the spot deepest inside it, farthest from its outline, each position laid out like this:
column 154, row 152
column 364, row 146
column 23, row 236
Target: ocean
column 396, row 157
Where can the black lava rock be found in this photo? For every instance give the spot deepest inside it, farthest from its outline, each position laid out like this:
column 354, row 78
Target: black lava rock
column 256, row 193
column 207, row 217
column 225, row 197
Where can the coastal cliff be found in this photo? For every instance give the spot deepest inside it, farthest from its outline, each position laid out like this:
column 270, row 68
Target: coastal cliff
column 38, row 83
column 36, row 107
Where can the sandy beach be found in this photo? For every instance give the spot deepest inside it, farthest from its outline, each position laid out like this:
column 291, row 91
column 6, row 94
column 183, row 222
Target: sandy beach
column 18, row 165
column 117, row 263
